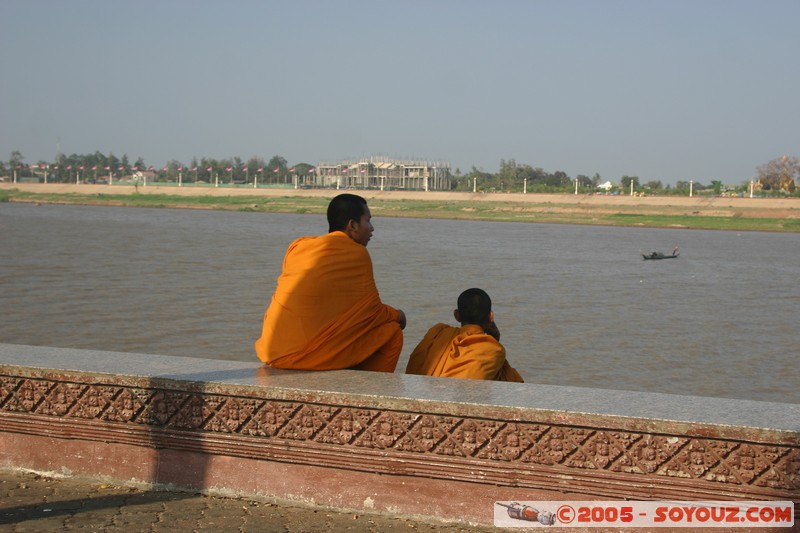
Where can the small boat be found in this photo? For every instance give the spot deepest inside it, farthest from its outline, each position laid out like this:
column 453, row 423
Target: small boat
column 652, row 256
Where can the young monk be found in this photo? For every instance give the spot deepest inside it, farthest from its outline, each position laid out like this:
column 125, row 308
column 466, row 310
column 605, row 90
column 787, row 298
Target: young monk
column 472, row 351
column 326, row 313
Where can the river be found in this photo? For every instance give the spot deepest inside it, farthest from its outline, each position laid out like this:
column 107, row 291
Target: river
column 576, row 305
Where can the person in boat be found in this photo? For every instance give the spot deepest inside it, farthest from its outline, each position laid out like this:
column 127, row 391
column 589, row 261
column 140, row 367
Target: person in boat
column 326, row 313
column 471, row 351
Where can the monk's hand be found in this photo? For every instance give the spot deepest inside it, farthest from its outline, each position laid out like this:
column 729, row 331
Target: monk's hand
column 492, row 329
column 402, row 319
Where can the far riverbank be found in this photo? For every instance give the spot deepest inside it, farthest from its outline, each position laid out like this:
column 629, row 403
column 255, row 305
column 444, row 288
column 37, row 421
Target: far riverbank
column 698, row 212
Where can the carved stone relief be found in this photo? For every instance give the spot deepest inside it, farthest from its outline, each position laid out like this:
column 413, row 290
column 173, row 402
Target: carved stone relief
column 506, row 443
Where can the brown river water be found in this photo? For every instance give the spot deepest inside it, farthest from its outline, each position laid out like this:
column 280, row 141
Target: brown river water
column 576, row 305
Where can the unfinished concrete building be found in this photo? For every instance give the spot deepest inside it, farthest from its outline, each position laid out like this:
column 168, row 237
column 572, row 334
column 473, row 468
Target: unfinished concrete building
column 383, row 174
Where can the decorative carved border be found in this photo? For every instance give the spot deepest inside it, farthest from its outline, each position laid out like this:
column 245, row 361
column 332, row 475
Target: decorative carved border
column 606, row 462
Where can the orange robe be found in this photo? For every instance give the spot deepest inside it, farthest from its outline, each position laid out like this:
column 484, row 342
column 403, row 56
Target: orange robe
column 461, row 352
column 326, row 313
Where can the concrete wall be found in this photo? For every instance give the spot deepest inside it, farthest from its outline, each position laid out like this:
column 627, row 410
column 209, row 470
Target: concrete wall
column 406, row 445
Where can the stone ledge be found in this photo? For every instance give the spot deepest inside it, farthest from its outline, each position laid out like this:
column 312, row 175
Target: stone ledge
column 403, row 433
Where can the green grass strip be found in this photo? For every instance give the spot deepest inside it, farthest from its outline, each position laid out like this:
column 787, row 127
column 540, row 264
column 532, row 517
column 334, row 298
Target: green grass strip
column 464, row 210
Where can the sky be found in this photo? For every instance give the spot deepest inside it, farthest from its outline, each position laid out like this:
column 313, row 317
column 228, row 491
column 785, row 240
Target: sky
column 668, row 90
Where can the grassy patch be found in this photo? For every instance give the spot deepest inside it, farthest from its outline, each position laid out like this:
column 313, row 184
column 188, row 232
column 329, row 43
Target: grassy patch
column 545, row 212
column 731, row 223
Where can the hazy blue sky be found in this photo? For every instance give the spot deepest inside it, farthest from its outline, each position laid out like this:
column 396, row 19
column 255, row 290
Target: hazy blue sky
column 664, row 90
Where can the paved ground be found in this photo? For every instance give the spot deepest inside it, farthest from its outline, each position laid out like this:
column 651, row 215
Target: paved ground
column 34, row 503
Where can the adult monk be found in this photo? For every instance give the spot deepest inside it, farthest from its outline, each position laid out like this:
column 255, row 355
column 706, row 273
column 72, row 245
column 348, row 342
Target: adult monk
column 472, row 351
column 326, row 313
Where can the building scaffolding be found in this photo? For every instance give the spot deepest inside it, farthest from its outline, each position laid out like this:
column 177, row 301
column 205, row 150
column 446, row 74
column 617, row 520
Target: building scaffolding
column 382, row 173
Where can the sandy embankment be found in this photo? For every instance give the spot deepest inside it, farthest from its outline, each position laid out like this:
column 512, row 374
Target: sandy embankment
column 751, row 207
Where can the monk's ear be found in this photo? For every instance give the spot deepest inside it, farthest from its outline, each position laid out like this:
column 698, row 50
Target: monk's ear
column 457, row 315
column 491, row 316
column 350, row 227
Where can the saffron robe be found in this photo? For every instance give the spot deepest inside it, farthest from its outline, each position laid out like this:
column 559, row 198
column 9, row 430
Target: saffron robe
column 326, row 312
column 461, row 352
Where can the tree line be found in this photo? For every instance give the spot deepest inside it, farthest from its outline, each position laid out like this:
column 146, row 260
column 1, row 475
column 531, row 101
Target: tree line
column 515, row 177
column 98, row 166
column 777, row 176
